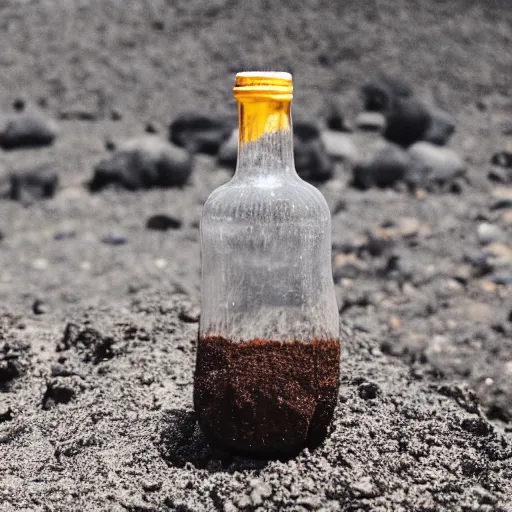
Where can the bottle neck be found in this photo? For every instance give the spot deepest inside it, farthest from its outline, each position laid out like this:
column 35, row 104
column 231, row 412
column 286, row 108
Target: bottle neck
column 265, row 138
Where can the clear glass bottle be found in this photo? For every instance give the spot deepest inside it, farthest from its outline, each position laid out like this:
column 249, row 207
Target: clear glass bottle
column 267, row 370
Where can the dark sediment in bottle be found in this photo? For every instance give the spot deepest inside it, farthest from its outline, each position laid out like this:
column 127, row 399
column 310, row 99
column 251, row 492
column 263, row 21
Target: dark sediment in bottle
column 266, row 397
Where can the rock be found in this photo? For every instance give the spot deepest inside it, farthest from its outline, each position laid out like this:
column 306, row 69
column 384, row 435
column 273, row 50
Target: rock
column 502, row 203
column 311, row 160
column 228, row 151
column 26, row 130
column 504, row 279
column 433, row 165
column 39, row 182
column 6, row 413
column 39, row 307
column 440, row 128
column 13, row 361
column 143, row 162
column 58, row 391
column 340, row 146
column 502, row 158
column 500, row 175
column 389, row 166
column 406, row 121
column 162, row 222
column 336, row 120
column 201, row 133
column 488, row 233
column 114, row 239
column 368, row 390
column 381, row 92
column 371, row 121
column 18, row 104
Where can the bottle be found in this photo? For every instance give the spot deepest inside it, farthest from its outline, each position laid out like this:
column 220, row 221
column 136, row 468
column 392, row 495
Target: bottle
column 267, row 370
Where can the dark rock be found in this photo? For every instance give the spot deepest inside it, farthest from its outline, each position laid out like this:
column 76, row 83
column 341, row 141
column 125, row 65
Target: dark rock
column 433, row 165
column 502, row 159
column 480, row 262
column 110, row 145
column 502, row 203
column 114, row 239
column 504, row 279
column 58, row 391
column 406, row 121
column 477, row 426
column 382, row 92
column 6, row 414
column 368, row 390
column 500, row 175
column 200, row 133
column 397, row 268
column 25, row 130
column 162, row 222
column 91, row 344
column 228, row 151
column 13, row 361
column 39, row 307
column 58, row 370
column 143, row 162
column 64, row 235
column 18, row 105
column 336, row 120
column 441, row 126
column 389, row 166
column 40, row 182
column 311, row 160
column 151, row 128
column 116, row 115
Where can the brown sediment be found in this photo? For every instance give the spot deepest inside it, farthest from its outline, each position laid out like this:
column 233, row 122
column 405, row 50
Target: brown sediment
column 263, row 396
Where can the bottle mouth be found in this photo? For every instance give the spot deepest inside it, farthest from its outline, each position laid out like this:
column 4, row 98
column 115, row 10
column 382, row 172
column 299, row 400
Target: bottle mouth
column 263, row 85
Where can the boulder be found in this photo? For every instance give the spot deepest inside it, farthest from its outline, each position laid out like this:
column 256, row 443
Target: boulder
column 143, row 162
column 407, row 120
column 201, row 133
column 26, row 130
column 433, row 165
column 389, row 166
column 39, row 182
column 380, row 93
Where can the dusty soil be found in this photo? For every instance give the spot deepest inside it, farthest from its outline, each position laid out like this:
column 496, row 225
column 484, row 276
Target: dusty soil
column 97, row 415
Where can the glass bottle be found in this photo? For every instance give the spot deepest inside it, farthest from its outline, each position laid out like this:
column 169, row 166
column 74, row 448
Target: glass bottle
column 267, row 369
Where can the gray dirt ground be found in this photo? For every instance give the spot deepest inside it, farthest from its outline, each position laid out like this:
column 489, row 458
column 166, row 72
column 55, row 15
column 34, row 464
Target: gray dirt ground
column 424, row 420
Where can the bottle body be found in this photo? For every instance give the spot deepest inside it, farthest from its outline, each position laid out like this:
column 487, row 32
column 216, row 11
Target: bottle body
column 267, row 370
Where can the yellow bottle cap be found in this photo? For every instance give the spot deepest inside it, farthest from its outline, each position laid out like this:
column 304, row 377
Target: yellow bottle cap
column 264, row 85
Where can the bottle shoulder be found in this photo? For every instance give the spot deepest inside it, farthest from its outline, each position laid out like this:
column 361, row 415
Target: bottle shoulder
column 287, row 197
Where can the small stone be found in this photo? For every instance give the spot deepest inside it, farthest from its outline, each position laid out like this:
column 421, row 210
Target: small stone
column 160, row 263
column 395, row 323
column 477, row 426
column 57, row 392
column 502, row 158
column 371, row 121
column 488, row 233
column 39, row 307
column 114, row 239
column 64, row 235
column 162, row 222
column 6, row 413
column 368, row 390
column 364, row 487
column 381, row 92
column 151, row 485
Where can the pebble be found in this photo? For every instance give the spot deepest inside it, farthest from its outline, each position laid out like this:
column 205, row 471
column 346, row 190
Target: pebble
column 40, row 264
column 26, row 130
column 502, row 203
column 6, row 413
column 39, row 182
column 488, row 233
column 503, row 158
column 160, row 263
column 39, row 307
column 143, row 162
column 431, row 164
column 162, row 222
column 371, row 121
column 340, row 146
column 114, row 239
column 201, row 133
